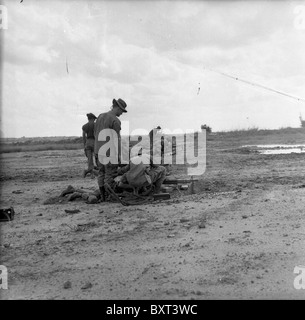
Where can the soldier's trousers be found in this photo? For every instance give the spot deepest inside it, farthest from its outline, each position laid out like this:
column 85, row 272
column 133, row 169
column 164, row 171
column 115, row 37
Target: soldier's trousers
column 89, row 151
column 106, row 174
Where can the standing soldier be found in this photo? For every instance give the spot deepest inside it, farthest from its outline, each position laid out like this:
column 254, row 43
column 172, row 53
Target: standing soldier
column 152, row 134
column 88, row 140
column 109, row 120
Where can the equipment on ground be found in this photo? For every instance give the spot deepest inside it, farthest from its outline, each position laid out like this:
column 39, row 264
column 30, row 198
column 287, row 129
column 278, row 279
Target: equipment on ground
column 7, row 214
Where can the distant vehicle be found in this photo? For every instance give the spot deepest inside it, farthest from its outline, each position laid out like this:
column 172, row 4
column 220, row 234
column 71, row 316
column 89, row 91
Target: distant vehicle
column 207, row 128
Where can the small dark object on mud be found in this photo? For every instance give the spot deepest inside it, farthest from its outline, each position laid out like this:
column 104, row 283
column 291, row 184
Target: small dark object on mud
column 87, row 285
column 67, row 285
column 7, row 214
column 201, row 225
column 72, row 211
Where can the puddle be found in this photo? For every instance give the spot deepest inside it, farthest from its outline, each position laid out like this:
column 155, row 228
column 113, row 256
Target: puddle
column 277, row 148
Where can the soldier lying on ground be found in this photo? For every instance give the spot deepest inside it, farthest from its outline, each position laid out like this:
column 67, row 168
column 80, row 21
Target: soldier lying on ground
column 140, row 175
column 88, row 195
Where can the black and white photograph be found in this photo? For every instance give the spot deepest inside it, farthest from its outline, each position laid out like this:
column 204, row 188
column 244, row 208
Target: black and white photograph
column 152, row 151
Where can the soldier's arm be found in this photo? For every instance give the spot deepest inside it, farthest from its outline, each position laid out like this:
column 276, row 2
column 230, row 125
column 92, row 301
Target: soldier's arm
column 84, row 138
column 117, row 127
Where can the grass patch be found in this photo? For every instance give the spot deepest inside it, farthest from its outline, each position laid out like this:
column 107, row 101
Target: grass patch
column 36, row 147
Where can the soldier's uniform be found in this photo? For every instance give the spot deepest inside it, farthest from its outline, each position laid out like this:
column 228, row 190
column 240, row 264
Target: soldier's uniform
column 108, row 120
column 143, row 174
column 152, row 135
column 88, row 138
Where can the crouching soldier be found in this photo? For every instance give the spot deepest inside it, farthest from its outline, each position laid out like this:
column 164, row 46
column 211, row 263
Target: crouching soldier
column 142, row 175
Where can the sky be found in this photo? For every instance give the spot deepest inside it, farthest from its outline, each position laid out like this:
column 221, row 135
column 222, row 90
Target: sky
column 63, row 59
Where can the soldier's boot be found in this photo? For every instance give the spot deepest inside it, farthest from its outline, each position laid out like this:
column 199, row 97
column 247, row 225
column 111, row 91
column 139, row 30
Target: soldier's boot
column 103, row 194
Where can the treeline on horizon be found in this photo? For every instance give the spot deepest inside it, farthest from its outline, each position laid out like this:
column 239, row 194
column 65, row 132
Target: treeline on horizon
column 74, row 139
column 8, row 145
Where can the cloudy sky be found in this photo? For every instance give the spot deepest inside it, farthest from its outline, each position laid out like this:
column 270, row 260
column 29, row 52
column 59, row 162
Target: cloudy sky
column 63, row 59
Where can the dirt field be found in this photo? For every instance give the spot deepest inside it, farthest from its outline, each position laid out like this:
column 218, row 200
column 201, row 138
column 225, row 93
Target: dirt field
column 239, row 236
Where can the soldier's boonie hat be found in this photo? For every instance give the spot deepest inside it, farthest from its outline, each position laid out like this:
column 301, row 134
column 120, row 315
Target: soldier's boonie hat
column 91, row 116
column 120, row 103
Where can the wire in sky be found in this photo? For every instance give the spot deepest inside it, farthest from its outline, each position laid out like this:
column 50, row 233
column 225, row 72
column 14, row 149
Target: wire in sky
column 257, row 85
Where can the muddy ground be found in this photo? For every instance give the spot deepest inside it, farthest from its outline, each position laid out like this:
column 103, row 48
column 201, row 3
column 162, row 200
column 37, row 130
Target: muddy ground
column 239, row 236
